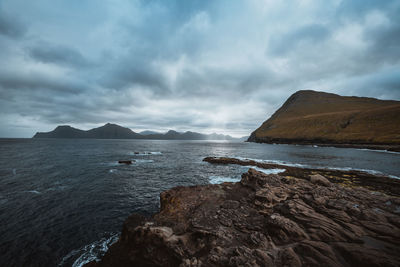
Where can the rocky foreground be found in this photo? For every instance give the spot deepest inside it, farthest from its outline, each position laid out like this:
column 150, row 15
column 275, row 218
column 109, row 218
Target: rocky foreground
column 264, row 220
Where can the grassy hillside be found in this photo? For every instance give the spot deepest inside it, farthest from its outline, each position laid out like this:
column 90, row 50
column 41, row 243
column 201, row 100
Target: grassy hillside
column 318, row 117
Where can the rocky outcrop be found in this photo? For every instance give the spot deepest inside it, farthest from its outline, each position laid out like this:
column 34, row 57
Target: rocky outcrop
column 264, row 220
column 350, row 178
column 127, row 162
column 310, row 117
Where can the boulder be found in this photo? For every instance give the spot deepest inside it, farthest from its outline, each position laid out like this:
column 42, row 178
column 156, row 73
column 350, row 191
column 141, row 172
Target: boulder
column 319, row 179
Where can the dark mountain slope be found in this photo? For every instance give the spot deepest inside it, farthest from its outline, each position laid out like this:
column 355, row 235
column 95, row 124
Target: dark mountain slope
column 318, row 117
column 114, row 131
column 63, row 131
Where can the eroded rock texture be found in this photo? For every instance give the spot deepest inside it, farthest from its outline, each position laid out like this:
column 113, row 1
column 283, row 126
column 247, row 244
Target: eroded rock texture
column 264, row 220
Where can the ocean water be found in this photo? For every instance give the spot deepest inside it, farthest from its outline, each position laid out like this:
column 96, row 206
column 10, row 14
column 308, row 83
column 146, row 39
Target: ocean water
column 63, row 201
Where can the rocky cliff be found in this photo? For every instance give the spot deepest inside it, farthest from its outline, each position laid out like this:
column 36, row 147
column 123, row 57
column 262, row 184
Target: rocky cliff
column 264, row 220
column 318, row 118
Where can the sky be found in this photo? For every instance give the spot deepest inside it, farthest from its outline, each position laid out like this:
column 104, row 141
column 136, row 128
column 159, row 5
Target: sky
column 205, row 66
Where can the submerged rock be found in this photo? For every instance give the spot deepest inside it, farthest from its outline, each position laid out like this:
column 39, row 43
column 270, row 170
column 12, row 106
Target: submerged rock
column 263, row 220
column 128, row 162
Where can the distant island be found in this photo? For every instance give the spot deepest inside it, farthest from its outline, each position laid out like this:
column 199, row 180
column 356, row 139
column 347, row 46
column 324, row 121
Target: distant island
column 311, row 117
column 114, row 131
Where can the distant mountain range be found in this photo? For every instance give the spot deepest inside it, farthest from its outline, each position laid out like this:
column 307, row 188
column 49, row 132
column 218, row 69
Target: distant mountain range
column 321, row 118
column 114, row 131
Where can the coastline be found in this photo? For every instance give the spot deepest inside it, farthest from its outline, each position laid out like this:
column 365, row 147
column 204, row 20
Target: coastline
column 326, row 143
column 298, row 217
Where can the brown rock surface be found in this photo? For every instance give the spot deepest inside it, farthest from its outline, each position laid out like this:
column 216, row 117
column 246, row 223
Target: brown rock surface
column 264, row 220
column 350, row 178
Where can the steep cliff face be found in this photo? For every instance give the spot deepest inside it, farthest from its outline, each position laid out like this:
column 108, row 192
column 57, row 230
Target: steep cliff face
column 318, row 117
column 264, row 220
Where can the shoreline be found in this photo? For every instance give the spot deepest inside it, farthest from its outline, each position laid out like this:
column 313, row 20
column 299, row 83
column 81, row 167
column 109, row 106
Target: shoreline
column 349, row 178
column 299, row 217
column 321, row 143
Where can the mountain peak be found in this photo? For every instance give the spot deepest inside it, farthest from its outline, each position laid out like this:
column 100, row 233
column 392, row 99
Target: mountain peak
column 114, row 131
column 111, row 125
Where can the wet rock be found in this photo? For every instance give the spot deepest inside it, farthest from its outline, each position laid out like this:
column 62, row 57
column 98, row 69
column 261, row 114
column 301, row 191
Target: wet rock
column 127, row 162
column 264, row 220
column 319, row 179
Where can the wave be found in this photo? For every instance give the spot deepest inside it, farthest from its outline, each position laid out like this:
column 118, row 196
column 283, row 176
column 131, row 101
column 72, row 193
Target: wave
column 289, row 164
column 91, row 252
column 379, row 150
column 222, row 179
column 144, row 160
column 33, row 191
column 145, row 153
column 278, row 162
column 266, row 171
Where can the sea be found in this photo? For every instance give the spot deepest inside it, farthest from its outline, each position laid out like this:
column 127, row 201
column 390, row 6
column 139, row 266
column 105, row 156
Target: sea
column 63, row 201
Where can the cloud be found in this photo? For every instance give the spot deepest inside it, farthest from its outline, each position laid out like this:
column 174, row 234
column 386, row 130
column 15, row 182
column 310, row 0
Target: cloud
column 57, row 54
column 221, row 66
column 305, row 35
column 11, row 26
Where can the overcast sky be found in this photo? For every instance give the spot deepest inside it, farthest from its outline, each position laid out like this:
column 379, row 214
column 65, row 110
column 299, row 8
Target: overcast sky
column 206, row 66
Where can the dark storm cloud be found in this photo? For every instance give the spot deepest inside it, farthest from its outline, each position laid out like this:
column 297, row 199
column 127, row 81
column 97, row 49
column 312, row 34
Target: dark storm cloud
column 220, row 66
column 307, row 35
column 136, row 71
column 11, row 82
column 11, row 26
column 356, row 9
column 58, row 54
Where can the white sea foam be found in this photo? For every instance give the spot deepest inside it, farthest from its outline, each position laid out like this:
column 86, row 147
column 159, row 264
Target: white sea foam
column 144, row 160
column 90, row 252
column 222, row 179
column 145, row 153
column 267, row 171
column 284, row 163
column 279, row 162
column 112, row 170
column 379, row 150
